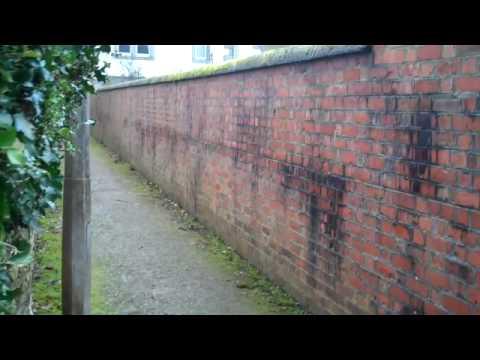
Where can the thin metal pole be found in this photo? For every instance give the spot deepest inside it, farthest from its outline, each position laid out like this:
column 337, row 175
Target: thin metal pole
column 76, row 257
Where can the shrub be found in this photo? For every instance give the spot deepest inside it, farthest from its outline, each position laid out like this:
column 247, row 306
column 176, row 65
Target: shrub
column 41, row 88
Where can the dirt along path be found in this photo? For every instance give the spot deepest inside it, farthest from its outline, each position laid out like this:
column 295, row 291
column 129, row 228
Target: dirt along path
column 146, row 262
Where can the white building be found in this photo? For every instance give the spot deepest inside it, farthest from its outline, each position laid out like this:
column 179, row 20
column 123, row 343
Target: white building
column 136, row 61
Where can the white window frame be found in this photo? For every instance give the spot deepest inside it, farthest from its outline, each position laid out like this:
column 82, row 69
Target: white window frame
column 140, row 55
column 227, row 57
column 122, row 53
column 133, row 54
column 207, row 59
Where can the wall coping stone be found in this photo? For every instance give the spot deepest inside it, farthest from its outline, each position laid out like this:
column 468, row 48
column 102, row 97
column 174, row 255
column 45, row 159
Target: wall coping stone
column 276, row 57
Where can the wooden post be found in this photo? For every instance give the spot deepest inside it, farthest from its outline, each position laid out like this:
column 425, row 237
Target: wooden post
column 76, row 260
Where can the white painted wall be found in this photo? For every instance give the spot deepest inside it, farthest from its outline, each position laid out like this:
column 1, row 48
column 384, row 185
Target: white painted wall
column 168, row 59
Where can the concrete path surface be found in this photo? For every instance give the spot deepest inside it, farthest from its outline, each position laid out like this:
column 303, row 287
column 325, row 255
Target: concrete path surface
column 148, row 264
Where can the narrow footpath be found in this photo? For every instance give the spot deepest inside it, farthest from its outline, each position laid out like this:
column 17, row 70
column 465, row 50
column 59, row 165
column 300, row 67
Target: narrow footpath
column 143, row 261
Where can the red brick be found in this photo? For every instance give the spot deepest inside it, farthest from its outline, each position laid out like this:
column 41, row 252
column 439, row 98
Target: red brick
column 446, row 69
column 437, row 244
column 464, row 142
column 455, row 305
column 361, row 88
column 417, row 287
column 425, row 223
column 476, row 220
column 467, row 84
column 418, row 237
column 474, row 258
column 387, row 241
column 470, row 65
column 474, row 296
column 442, row 175
column 393, row 56
column 371, row 249
column 411, row 55
column 427, row 86
column 467, row 199
column 458, row 159
column 407, row 104
column 348, row 157
column 405, row 200
column 429, row 52
column 399, row 294
column 388, row 211
column 461, row 216
column 351, row 74
column 431, row 309
column 376, row 103
column 376, row 163
column 361, row 117
column 384, row 270
column 349, row 130
column 437, row 279
column 443, row 157
column 402, row 262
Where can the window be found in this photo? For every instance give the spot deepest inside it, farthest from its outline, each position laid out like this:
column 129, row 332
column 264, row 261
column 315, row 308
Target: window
column 124, row 49
column 201, row 54
column 143, row 51
column 231, row 52
column 133, row 51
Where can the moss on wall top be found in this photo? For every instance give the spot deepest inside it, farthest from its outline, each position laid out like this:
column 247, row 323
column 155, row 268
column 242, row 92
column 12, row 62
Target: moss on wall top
column 292, row 54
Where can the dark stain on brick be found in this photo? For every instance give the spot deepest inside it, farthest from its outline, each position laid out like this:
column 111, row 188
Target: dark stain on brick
column 420, row 149
column 458, row 226
column 314, row 215
column 461, row 270
column 412, row 310
column 325, row 220
column 287, row 169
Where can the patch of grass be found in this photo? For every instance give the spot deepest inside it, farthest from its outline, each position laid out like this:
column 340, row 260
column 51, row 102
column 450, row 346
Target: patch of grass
column 99, row 305
column 47, row 290
column 47, row 286
column 269, row 297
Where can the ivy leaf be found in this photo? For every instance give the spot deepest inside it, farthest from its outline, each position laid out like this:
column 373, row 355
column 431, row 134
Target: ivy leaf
column 36, row 99
column 32, row 54
column 5, row 76
column 24, row 126
column 4, row 209
column 24, row 256
column 8, row 296
column 5, row 278
column 16, row 157
column 2, row 233
column 48, row 156
column 5, row 120
column 23, row 75
column 7, row 137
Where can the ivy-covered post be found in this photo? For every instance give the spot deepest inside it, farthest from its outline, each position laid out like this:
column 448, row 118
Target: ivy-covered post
column 76, row 260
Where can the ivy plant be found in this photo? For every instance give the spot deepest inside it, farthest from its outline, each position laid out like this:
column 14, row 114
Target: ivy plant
column 41, row 89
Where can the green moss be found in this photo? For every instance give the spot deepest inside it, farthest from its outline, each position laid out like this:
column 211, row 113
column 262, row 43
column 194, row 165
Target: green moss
column 99, row 302
column 281, row 56
column 47, row 287
column 269, row 297
column 47, row 298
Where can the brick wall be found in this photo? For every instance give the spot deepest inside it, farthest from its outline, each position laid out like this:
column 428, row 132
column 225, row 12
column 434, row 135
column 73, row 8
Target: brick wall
column 352, row 181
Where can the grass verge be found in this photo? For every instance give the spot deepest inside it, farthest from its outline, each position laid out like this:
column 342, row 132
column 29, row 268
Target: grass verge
column 47, row 285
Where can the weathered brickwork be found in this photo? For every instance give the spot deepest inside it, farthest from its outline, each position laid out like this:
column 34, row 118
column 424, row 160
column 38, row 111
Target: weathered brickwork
column 353, row 181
